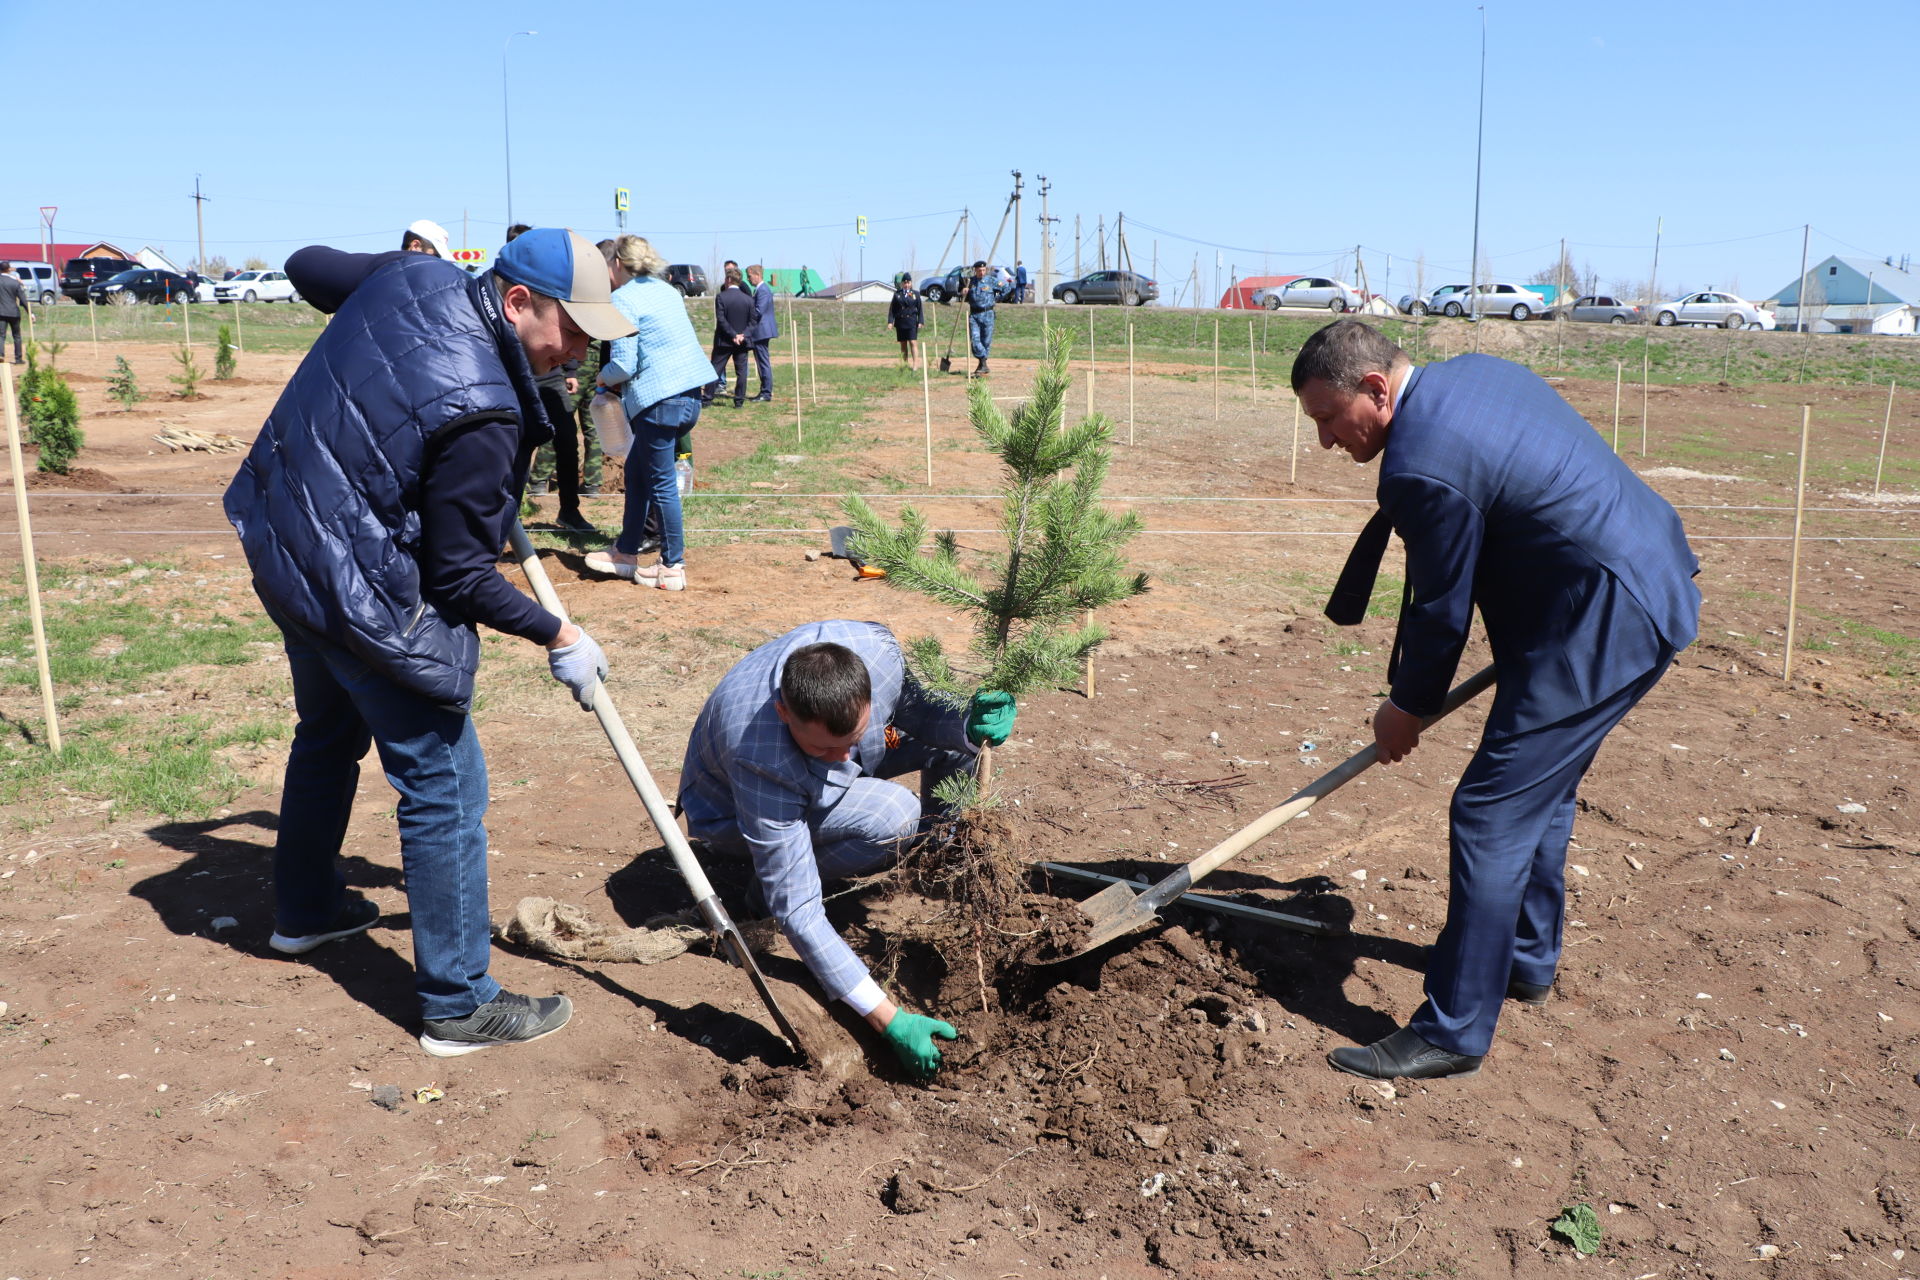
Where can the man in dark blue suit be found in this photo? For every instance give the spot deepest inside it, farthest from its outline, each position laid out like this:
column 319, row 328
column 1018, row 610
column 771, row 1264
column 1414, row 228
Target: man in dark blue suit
column 766, row 327
column 1506, row 499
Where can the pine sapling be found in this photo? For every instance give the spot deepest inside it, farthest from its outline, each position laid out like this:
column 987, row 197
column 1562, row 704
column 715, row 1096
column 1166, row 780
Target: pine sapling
column 188, row 379
column 53, row 422
column 223, row 358
column 1063, row 549
column 122, row 386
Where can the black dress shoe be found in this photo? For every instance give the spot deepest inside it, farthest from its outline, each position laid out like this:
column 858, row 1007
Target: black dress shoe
column 1529, row 992
column 1403, row 1054
column 574, row 522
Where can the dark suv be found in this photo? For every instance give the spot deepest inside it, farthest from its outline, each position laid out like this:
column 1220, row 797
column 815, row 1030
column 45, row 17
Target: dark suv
column 81, row 274
column 690, row 280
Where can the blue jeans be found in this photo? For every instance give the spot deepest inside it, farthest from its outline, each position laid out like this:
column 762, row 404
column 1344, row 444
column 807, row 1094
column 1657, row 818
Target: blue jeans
column 980, row 333
column 650, row 481
column 432, row 757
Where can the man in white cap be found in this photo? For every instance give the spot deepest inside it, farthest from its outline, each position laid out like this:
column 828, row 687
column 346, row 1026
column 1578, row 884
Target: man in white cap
column 426, row 237
column 372, row 509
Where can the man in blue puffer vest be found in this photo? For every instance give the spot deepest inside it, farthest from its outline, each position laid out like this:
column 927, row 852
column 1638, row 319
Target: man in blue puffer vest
column 372, row 508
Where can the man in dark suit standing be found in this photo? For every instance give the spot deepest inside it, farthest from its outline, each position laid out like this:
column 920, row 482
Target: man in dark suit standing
column 1506, row 499
column 766, row 327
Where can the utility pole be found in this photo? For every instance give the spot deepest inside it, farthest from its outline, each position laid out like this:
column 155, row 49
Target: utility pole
column 1653, row 285
column 1102, row 230
column 1016, row 217
column 1479, row 154
column 1046, row 242
column 1077, row 272
column 199, row 224
column 1800, row 294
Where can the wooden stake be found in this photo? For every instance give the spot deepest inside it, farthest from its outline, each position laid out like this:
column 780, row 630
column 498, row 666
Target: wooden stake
column 1799, row 513
column 1293, row 458
column 1253, row 364
column 926, row 407
column 1216, row 368
column 1646, row 372
column 813, row 369
column 239, row 338
column 1089, row 622
column 1619, row 372
column 1093, row 365
column 186, row 320
column 1885, row 427
column 94, row 320
column 1130, row 386
column 793, row 337
column 34, row 616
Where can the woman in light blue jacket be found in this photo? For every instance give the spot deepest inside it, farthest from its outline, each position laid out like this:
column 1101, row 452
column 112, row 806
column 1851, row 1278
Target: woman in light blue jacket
column 659, row 372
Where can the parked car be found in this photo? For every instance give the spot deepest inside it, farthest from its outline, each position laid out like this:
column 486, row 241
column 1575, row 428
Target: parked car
column 256, row 286
column 1598, row 308
column 142, row 284
column 1128, row 288
column 1515, row 301
column 37, row 280
column 1317, row 292
column 203, row 288
column 81, row 274
column 689, row 279
column 948, row 287
column 1726, row 310
column 1414, row 305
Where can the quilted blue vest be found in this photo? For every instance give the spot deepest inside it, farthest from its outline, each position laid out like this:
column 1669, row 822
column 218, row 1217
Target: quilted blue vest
column 327, row 502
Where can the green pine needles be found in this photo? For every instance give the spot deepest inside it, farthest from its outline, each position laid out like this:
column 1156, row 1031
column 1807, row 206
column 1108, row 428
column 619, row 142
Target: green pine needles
column 1063, row 549
column 223, row 358
column 123, row 388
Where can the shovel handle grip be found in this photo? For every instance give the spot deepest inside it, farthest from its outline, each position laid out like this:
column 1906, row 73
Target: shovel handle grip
column 1302, row 800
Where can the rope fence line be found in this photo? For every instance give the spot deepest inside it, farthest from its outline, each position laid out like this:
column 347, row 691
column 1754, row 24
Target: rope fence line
column 1164, row 533
column 1867, row 508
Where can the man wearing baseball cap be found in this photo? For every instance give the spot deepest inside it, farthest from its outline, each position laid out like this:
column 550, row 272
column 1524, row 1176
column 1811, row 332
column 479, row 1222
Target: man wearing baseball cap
column 426, row 237
column 372, row 509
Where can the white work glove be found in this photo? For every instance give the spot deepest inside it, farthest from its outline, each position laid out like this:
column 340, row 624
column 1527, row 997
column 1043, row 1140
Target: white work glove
column 577, row 666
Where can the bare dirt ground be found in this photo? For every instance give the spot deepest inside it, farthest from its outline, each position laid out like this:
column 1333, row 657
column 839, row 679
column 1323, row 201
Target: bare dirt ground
column 1726, row 1071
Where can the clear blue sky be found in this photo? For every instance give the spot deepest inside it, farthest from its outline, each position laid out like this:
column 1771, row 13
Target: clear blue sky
column 1290, row 131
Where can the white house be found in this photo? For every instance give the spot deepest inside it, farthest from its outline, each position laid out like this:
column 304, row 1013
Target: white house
column 856, row 291
column 1855, row 295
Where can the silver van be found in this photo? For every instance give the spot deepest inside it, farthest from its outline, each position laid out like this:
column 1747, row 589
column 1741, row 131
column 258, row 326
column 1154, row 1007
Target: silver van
column 38, row 279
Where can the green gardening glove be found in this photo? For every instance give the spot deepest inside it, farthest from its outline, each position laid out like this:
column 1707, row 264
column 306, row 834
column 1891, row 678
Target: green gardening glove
column 911, row 1036
column 989, row 717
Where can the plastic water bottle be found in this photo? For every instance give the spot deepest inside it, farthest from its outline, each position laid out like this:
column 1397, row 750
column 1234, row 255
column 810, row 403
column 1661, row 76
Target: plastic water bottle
column 616, row 434
column 683, row 475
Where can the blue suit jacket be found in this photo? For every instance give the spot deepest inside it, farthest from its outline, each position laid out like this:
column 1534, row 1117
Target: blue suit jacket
column 766, row 325
column 1508, row 499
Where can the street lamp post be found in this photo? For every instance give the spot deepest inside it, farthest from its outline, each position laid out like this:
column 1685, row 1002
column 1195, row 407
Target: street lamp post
column 506, row 118
column 1479, row 150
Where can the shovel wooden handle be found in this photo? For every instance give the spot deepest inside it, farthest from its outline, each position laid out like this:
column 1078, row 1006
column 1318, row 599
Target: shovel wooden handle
column 1301, row 801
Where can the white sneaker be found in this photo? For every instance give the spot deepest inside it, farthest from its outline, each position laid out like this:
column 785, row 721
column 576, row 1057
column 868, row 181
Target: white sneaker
column 667, row 577
column 605, row 564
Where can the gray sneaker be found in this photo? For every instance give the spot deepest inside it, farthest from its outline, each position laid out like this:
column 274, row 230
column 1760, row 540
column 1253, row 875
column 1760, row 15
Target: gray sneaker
column 356, row 915
column 508, row 1018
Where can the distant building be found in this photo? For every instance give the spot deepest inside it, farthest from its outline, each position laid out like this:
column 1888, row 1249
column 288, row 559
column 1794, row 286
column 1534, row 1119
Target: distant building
column 856, row 291
column 1854, row 295
column 37, row 252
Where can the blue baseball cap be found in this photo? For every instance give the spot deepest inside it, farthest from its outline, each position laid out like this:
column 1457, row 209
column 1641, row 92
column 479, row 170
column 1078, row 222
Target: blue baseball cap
column 564, row 265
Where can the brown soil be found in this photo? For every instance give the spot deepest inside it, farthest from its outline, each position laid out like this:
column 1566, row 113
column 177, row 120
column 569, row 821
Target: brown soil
column 1725, row 1072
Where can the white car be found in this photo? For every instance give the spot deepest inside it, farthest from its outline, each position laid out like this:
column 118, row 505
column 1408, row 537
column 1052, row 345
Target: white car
column 1723, row 310
column 1317, row 292
column 1514, row 301
column 257, row 286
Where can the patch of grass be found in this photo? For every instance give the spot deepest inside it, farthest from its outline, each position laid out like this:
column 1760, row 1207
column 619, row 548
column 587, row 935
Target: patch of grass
column 170, row 768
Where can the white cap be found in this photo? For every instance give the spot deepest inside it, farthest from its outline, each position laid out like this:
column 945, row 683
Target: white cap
column 434, row 234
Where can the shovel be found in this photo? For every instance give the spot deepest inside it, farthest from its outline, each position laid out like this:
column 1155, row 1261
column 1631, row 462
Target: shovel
column 705, row 900
column 1117, row 910
column 953, row 331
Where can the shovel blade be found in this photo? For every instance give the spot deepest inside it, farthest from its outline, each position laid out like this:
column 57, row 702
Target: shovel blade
column 1114, row 912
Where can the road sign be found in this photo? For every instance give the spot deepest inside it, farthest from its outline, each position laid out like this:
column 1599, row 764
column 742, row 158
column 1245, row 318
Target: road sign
column 621, row 198
column 470, row 255
column 47, row 211
column 860, row 226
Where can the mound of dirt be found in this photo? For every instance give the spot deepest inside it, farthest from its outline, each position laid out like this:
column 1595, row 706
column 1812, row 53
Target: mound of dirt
column 80, row 479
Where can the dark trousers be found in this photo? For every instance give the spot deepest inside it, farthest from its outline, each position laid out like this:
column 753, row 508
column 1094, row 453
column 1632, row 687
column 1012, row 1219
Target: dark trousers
column 763, row 365
column 1511, row 818
column 566, row 446
column 11, row 322
column 720, row 357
